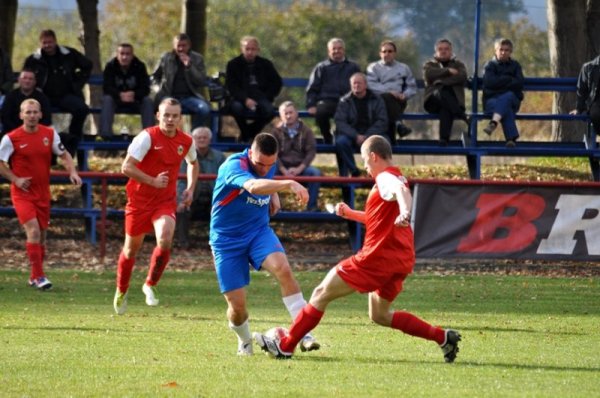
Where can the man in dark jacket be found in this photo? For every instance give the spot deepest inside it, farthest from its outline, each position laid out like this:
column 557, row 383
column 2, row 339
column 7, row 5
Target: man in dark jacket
column 181, row 74
column 126, row 85
column 61, row 72
column 503, row 91
column 329, row 81
column 11, row 112
column 445, row 78
column 588, row 92
column 360, row 114
column 253, row 83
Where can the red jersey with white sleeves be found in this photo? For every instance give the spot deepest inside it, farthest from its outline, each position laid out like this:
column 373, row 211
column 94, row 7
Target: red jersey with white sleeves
column 386, row 246
column 156, row 153
column 30, row 155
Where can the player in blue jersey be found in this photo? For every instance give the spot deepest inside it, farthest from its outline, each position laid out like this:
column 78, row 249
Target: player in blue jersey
column 244, row 198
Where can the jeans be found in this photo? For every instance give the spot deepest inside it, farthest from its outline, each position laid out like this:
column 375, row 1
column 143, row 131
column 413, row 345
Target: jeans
column 199, row 108
column 344, row 152
column 109, row 106
column 447, row 106
column 506, row 105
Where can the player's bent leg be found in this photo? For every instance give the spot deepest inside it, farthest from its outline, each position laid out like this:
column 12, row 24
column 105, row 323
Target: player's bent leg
column 331, row 287
column 379, row 310
column 164, row 228
column 237, row 314
column 277, row 264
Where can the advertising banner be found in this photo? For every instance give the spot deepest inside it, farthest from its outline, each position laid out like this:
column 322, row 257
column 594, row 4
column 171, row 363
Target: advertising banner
column 514, row 221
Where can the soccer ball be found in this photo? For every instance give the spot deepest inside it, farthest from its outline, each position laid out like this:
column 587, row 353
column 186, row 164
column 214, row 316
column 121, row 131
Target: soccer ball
column 276, row 333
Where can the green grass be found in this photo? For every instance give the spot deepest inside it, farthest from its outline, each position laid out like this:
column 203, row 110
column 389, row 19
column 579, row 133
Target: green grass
column 522, row 336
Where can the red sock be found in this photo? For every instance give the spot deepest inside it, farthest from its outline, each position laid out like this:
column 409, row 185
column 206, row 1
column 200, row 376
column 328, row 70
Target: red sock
column 158, row 263
column 307, row 320
column 410, row 324
column 124, row 268
column 34, row 252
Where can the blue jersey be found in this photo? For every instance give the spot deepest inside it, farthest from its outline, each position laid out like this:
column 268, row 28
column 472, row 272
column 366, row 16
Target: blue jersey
column 237, row 216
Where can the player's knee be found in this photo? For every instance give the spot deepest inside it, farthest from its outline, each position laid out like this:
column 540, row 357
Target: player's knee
column 379, row 318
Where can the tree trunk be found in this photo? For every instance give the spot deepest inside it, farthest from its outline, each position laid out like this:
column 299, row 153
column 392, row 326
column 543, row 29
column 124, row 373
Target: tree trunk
column 193, row 22
column 8, row 18
column 90, row 39
column 570, row 47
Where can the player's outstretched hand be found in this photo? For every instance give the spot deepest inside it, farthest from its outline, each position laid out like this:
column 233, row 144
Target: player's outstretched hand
column 300, row 191
column 161, row 180
column 341, row 209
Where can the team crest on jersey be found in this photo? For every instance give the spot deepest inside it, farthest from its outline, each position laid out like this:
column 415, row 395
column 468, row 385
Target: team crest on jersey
column 46, row 141
column 180, row 150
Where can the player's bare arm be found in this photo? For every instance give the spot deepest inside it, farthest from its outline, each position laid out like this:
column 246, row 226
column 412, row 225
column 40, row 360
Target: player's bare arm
column 404, row 199
column 345, row 211
column 70, row 166
column 130, row 169
column 274, row 204
column 22, row 183
column 267, row 187
column 193, row 169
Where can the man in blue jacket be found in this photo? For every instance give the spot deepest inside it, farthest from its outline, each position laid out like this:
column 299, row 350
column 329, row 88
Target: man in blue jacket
column 328, row 82
column 503, row 91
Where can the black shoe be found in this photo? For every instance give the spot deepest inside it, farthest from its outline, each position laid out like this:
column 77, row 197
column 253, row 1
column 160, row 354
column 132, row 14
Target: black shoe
column 511, row 143
column 491, row 127
column 402, row 130
column 450, row 345
column 443, row 142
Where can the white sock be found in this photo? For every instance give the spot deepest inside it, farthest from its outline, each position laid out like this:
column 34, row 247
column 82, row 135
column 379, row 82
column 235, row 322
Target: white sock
column 294, row 304
column 242, row 331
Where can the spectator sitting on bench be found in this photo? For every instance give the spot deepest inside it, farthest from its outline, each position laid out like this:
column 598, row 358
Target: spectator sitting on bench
column 445, row 78
column 61, row 72
column 126, row 85
column 253, row 83
column 360, row 114
column 181, row 74
column 503, row 91
column 588, row 92
column 210, row 159
column 11, row 111
column 297, row 150
column 328, row 82
column 395, row 83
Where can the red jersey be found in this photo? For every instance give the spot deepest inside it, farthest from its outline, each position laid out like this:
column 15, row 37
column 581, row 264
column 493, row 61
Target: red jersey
column 31, row 157
column 386, row 246
column 157, row 153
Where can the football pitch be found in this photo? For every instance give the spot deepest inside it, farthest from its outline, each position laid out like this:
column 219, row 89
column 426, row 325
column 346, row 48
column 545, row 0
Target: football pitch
column 523, row 336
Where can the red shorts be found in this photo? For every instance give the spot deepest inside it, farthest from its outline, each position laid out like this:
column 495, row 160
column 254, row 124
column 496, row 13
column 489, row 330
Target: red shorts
column 139, row 222
column 27, row 210
column 386, row 284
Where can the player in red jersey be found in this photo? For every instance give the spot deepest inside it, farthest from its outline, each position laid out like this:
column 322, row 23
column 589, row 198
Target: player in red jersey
column 379, row 268
column 152, row 165
column 29, row 149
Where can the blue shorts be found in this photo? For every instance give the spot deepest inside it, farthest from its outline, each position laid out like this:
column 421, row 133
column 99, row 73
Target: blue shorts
column 233, row 265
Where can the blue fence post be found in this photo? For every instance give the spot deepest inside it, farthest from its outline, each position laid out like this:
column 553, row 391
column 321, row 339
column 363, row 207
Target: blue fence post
column 474, row 83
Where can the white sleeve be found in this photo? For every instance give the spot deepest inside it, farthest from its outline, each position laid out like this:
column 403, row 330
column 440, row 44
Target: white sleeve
column 57, row 146
column 191, row 155
column 140, row 146
column 6, row 148
column 388, row 184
